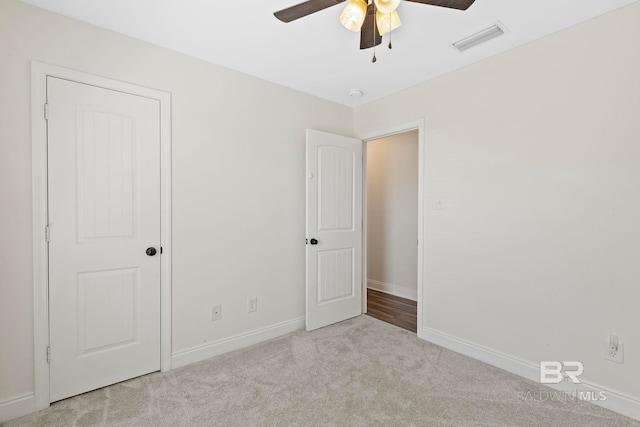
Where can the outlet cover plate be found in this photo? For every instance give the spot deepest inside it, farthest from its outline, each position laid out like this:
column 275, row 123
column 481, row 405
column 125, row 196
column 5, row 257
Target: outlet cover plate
column 618, row 356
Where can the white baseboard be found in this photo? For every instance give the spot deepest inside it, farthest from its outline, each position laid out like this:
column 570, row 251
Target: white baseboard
column 17, row 406
column 396, row 290
column 205, row 351
column 615, row 400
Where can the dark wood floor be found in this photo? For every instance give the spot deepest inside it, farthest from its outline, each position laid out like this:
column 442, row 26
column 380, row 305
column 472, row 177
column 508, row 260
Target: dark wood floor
column 392, row 309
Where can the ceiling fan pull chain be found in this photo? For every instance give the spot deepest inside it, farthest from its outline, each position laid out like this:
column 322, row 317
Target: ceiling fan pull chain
column 390, row 47
column 375, row 24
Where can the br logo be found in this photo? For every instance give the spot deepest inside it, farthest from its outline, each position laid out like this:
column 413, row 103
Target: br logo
column 553, row 371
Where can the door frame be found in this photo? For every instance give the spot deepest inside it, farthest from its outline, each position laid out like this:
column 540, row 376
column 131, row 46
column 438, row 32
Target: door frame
column 39, row 73
column 379, row 134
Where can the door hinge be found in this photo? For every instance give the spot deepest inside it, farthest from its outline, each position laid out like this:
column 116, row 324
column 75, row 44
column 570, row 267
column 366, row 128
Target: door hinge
column 48, row 354
column 46, row 111
column 47, row 233
column 160, row 250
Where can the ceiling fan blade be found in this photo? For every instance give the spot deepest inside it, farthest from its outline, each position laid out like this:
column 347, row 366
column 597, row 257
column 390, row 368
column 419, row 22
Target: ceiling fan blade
column 303, row 9
column 453, row 4
column 369, row 34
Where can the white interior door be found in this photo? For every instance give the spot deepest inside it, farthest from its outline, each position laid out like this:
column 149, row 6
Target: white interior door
column 104, row 212
column 334, row 229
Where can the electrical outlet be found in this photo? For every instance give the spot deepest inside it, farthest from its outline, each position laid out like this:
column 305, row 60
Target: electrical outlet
column 252, row 304
column 216, row 312
column 613, row 349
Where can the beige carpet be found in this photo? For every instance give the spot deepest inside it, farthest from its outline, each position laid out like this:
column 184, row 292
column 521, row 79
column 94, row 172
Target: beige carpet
column 362, row 372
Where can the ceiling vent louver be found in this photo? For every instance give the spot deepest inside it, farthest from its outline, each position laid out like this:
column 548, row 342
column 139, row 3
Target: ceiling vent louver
column 480, row 37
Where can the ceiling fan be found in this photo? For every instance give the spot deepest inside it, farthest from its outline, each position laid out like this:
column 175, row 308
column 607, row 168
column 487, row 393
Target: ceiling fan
column 372, row 20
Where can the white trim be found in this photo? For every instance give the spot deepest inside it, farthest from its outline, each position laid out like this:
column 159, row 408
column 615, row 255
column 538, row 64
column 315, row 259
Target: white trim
column 166, row 243
column 394, row 130
column 17, row 407
column 224, row 345
column 40, row 249
column 39, row 73
column 365, row 226
column 616, row 401
column 388, row 288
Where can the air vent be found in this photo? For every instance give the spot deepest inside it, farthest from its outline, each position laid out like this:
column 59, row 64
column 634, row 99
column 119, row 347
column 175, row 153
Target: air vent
column 480, row 37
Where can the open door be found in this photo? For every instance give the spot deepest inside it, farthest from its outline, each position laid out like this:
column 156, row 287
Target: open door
column 333, row 229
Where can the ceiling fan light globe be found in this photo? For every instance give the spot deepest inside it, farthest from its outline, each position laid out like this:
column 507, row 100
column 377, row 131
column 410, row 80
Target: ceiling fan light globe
column 387, row 22
column 353, row 15
column 386, row 6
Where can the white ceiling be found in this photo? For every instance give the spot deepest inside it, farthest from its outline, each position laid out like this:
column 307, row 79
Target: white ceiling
column 316, row 54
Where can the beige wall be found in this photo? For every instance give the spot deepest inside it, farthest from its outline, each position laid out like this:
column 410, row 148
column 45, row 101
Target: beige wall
column 392, row 214
column 536, row 155
column 238, row 181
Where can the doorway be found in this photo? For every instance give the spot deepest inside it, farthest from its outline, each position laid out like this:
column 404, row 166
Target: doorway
column 392, row 189
column 93, row 142
column 336, row 171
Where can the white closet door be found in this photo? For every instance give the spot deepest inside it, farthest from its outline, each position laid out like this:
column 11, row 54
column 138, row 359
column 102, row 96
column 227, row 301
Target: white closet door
column 104, row 213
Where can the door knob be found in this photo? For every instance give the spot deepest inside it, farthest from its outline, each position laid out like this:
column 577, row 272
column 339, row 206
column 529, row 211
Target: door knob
column 151, row 251
column 313, row 241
